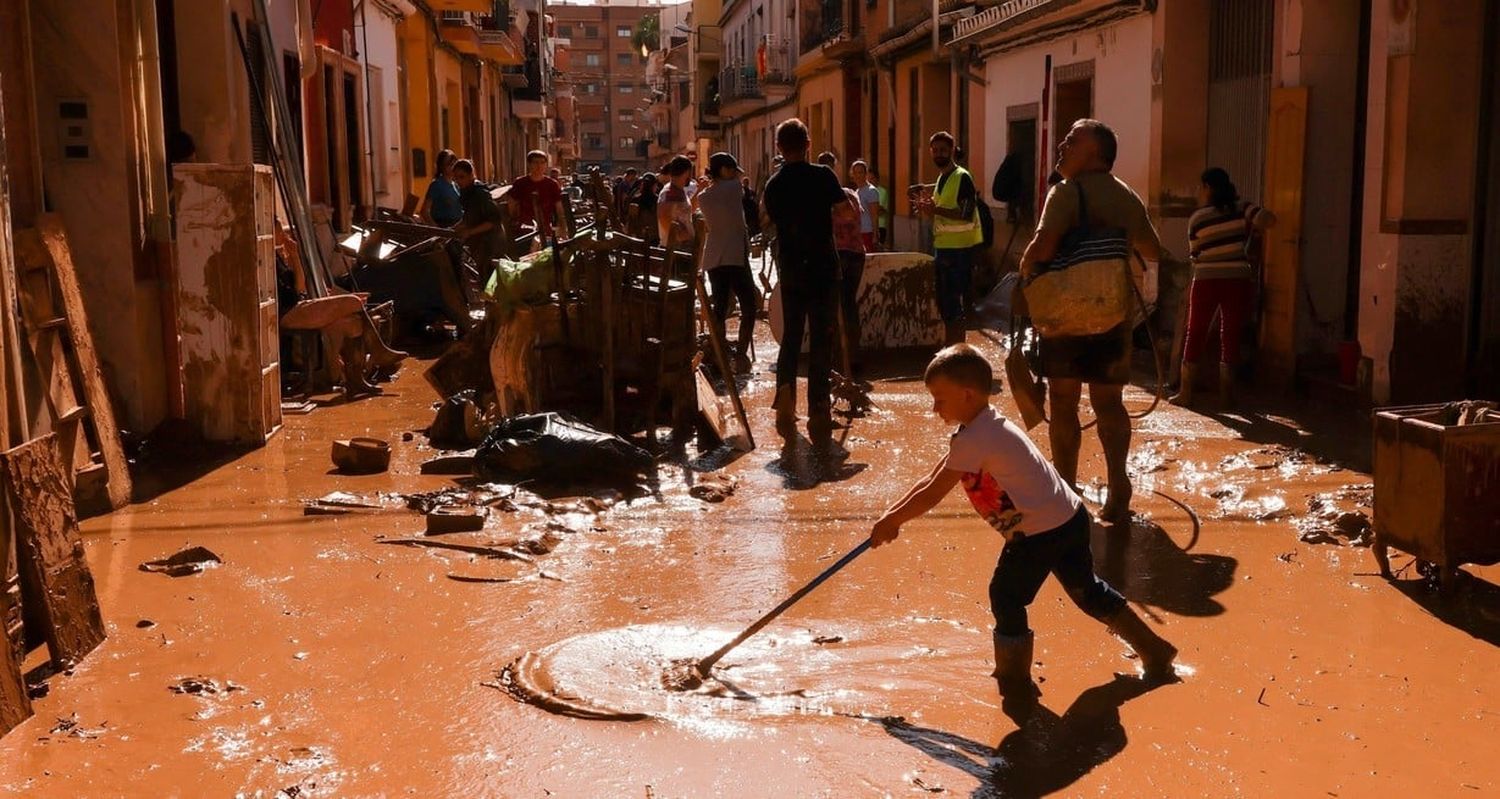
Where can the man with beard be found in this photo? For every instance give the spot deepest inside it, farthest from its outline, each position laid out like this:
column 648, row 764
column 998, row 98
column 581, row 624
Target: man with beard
column 952, row 206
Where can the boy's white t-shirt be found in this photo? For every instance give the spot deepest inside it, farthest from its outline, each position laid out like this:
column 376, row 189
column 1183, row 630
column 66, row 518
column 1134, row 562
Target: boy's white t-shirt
column 1009, row 482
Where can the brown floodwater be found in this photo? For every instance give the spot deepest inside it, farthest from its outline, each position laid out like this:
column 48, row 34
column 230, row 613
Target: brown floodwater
column 321, row 662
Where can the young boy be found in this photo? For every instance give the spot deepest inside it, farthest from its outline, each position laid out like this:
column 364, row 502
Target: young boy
column 1020, row 494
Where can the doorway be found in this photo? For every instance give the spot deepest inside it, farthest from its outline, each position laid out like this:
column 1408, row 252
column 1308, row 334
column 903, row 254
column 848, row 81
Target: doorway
column 1073, row 97
column 1021, row 147
column 1239, row 91
column 1484, row 296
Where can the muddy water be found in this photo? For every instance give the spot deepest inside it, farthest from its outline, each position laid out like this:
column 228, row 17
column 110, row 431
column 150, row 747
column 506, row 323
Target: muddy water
column 362, row 669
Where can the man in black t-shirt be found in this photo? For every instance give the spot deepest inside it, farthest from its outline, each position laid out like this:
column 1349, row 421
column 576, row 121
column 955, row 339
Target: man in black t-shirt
column 480, row 226
column 799, row 200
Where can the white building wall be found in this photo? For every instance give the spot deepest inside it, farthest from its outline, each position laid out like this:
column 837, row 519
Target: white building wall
column 381, row 49
column 1122, row 93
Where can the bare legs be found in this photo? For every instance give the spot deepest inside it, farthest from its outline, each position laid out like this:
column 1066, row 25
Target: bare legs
column 1066, row 435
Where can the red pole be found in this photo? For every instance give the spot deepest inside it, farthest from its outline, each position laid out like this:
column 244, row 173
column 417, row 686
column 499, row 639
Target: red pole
column 1044, row 160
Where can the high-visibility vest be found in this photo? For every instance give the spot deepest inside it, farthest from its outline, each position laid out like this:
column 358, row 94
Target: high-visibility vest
column 954, row 234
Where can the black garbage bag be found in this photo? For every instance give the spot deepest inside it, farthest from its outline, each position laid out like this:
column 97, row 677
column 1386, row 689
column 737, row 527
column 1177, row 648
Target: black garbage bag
column 553, row 448
column 450, row 427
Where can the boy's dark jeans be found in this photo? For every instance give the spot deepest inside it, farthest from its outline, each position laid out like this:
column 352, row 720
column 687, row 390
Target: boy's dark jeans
column 1026, row 562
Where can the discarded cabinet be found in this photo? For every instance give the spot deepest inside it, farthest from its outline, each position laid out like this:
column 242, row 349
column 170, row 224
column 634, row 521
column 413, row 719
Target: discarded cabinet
column 1437, row 488
column 897, row 302
column 226, row 301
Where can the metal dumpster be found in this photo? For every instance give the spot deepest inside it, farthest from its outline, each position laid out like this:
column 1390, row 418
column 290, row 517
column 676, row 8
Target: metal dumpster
column 1437, row 488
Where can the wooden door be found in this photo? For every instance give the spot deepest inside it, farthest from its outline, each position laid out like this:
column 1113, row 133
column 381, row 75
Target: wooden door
column 1286, row 147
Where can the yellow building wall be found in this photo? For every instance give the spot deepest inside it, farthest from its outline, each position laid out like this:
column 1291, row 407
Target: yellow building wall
column 450, row 80
column 417, row 55
column 820, row 104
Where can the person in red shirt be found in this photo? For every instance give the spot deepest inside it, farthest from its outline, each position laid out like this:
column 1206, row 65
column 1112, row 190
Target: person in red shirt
column 536, row 194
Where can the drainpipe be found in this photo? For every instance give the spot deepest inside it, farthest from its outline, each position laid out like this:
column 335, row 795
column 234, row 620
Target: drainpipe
column 364, row 54
column 1357, row 184
column 157, row 228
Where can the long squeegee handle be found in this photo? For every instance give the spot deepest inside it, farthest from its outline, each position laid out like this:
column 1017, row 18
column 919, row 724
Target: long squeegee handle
column 708, row 663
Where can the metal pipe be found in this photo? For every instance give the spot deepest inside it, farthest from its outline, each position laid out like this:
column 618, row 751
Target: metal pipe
column 364, row 54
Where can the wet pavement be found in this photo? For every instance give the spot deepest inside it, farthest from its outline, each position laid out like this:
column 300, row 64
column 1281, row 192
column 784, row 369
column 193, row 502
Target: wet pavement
column 315, row 660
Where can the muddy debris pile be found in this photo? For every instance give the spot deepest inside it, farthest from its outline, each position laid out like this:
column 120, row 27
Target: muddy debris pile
column 1340, row 517
column 193, row 560
column 553, row 448
column 714, row 488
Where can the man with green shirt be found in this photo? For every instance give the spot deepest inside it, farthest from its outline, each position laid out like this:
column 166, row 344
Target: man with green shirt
column 952, row 206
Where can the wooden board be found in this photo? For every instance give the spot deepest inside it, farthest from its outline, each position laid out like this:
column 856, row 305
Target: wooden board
column 708, row 405
column 15, row 705
column 1286, row 154
column 92, row 393
column 54, row 573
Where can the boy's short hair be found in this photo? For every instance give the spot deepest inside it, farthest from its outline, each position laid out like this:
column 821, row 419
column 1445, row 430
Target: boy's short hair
column 963, row 365
column 464, row 165
column 941, row 136
column 678, row 165
column 827, row 158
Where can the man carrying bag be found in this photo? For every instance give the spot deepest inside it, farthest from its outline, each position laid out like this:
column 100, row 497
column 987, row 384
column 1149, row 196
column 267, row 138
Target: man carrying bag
column 1076, row 275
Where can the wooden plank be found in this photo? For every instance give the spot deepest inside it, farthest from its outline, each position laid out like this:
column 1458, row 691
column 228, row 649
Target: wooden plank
column 54, row 573
column 95, row 395
column 15, row 704
column 1286, row 155
column 44, row 328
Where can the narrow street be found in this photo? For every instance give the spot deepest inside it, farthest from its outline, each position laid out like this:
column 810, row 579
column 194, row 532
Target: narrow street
column 334, row 665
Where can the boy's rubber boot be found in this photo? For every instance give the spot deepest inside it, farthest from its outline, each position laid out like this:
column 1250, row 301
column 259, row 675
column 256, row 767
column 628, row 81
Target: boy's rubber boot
column 786, row 411
column 1155, row 652
column 1184, row 395
column 1226, row 385
column 1013, row 656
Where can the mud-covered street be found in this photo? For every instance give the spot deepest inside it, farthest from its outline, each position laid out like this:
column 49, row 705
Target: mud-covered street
column 330, row 663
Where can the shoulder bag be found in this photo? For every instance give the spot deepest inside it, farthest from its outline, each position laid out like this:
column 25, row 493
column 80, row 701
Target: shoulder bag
column 1085, row 289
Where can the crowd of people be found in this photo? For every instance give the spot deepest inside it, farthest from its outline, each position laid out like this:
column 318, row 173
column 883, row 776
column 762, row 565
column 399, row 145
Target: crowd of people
column 823, row 223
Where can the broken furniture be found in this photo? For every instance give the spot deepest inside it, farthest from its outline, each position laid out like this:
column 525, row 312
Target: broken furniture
column 58, row 600
column 53, row 316
column 897, row 303
column 1437, row 487
column 361, row 455
column 226, row 301
column 617, row 343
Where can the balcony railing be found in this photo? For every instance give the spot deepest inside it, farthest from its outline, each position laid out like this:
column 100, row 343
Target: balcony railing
column 742, row 81
column 830, row 20
column 739, row 82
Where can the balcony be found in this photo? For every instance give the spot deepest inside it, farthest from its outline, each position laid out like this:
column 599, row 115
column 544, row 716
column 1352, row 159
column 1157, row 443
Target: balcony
column 461, row 34
column 739, row 82
column 753, row 81
column 710, row 42
column 497, row 46
column 831, row 25
column 476, row 6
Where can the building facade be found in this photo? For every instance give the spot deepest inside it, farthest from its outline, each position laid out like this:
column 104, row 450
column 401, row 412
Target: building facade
column 607, row 81
column 347, row 106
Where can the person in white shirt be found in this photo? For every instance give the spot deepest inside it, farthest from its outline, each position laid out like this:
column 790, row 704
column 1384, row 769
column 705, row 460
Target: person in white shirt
column 1044, row 523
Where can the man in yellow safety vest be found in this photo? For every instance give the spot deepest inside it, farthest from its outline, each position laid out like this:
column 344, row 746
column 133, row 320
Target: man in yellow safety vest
column 953, row 208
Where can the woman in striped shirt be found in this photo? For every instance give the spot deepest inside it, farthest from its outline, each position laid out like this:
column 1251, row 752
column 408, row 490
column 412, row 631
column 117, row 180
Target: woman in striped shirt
column 1219, row 235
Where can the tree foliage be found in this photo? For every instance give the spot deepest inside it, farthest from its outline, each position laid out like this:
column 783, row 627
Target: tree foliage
column 647, row 33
